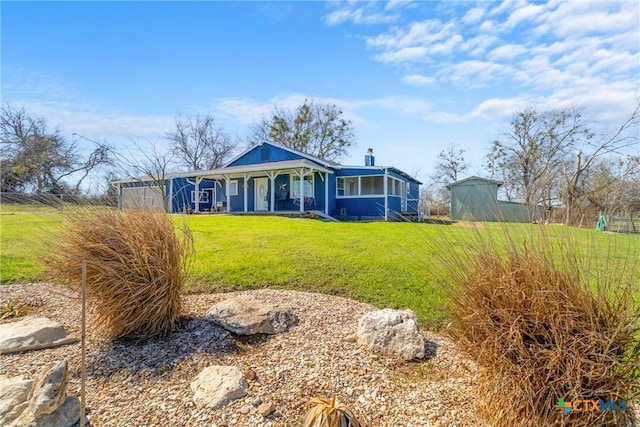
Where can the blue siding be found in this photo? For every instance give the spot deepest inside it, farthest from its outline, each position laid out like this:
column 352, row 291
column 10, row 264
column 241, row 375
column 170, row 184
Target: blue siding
column 182, row 189
column 264, row 154
column 367, row 207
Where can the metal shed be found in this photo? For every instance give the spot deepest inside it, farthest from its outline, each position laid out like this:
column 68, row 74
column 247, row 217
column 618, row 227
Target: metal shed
column 476, row 199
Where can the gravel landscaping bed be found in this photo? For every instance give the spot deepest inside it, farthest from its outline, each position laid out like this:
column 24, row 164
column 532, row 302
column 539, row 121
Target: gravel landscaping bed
column 147, row 383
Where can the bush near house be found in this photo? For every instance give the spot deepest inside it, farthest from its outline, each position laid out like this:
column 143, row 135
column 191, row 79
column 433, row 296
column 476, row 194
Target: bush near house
column 135, row 268
column 545, row 323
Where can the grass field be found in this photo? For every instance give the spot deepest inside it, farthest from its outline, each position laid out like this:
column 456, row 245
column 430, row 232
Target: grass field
column 387, row 264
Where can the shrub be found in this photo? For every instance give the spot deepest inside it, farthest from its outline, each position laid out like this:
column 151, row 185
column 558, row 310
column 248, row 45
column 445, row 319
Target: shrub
column 329, row 413
column 135, row 268
column 544, row 325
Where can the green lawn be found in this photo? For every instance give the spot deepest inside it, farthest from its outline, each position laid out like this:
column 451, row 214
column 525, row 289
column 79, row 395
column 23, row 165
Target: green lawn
column 387, row 264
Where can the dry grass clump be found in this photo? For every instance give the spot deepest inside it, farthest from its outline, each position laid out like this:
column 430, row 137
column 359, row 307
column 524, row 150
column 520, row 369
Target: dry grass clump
column 543, row 326
column 135, row 266
column 325, row 412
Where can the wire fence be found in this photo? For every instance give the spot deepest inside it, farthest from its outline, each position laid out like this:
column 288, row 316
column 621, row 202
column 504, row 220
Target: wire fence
column 625, row 223
column 55, row 200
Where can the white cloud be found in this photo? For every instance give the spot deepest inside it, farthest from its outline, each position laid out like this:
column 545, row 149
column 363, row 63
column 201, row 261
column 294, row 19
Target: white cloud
column 478, row 45
column 421, row 33
column 520, row 15
column 405, row 54
column 246, row 111
column 499, row 109
column 506, row 51
column 97, row 125
column 361, row 13
column 581, row 18
column 473, row 15
column 395, row 4
column 475, row 73
column 419, row 80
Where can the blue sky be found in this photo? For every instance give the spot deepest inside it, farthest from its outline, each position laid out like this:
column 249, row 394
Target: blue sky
column 412, row 76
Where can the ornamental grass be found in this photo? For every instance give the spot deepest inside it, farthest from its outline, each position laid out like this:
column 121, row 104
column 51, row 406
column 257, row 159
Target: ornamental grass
column 324, row 412
column 544, row 325
column 135, row 268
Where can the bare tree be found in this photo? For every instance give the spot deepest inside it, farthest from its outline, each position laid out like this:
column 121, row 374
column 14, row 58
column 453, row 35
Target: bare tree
column 594, row 148
column 199, row 143
column 613, row 185
column 314, row 128
column 450, row 165
column 531, row 152
column 34, row 159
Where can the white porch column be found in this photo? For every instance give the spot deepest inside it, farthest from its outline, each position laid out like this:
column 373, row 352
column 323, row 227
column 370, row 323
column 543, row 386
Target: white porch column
column 385, row 185
column 228, row 182
column 245, row 188
column 301, row 189
column 197, row 194
column 272, row 191
column 272, row 186
column 326, row 193
column 169, row 207
column 120, row 195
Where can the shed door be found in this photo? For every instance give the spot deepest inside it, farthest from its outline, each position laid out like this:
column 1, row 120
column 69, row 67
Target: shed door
column 137, row 198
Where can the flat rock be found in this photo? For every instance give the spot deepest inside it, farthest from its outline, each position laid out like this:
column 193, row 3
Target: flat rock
column 393, row 332
column 247, row 316
column 32, row 333
column 217, row 386
column 67, row 415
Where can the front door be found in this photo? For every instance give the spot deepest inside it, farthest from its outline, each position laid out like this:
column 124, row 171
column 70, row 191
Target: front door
column 261, row 194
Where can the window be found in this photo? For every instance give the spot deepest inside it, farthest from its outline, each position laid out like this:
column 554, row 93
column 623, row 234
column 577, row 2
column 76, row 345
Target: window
column 395, row 187
column 348, row 186
column 354, row 186
column 295, row 186
column 371, row 185
column 203, row 196
column 233, row 187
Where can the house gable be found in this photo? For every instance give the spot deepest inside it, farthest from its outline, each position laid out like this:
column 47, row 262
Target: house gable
column 268, row 152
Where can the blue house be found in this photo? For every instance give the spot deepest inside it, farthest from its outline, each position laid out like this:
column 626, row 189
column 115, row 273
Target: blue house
column 269, row 177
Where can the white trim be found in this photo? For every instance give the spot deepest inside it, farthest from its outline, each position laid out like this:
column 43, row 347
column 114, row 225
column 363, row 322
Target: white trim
column 326, row 193
column 385, row 184
column 367, row 196
column 245, row 191
column 235, row 183
column 271, row 188
column 292, row 178
column 256, row 195
column 227, row 196
column 204, row 196
column 359, row 191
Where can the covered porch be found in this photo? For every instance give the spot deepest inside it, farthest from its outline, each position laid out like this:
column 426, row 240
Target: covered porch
column 296, row 186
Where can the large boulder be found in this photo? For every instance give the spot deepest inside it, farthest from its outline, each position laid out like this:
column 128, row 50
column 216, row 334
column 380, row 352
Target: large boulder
column 45, row 402
column 32, row 333
column 67, row 415
column 392, row 332
column 217, row 386
column 247, row 316
column 14, row 392
column 49, row 389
